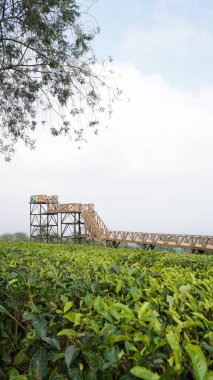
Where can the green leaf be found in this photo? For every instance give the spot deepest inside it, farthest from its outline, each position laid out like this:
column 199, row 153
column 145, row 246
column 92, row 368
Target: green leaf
column 27, row 316
column 3, row 310
column 71, row 353
column 207, row 347
column 174, row 316
column 111, row 355
column 127, row 377
column 144, row 373
column 67, row 332
column 57, row 357
column 88, row 300
column 20, row 358
column 135, row 293
column 125, row 311
column 130, row 347
column 173, row 340
column 67, row 306
column 74, row 373
column 143, row 309
column 38, row 364
column 170, row 300
column 184, row 288
column 198, row 361
column 13, row 373
column 210, row 337
column 40, row 326
column 113, row 338
column 138, row 337
column 52, row 342
column 92, row 358
column 119, row 285
column 74, row 317
column 193, row 302
column 107, row 316
column 13, row 281
column 99, row 304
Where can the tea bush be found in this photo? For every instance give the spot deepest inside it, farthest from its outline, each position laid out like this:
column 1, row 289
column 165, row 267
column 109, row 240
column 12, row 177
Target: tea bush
column 79, row 312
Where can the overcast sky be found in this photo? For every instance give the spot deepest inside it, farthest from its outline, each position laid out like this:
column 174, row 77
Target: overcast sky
column 151, row 169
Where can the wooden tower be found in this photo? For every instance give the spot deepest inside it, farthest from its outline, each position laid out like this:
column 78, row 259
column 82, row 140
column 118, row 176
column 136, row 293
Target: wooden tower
column 43, row 225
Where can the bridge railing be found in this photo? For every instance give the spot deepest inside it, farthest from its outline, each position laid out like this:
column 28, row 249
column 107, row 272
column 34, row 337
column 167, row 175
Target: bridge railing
column 169, row 240
column 69, row 207
column 96, row 228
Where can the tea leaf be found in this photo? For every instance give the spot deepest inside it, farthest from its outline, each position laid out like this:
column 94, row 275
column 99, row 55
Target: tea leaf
column 198, row 361
column 74, row 317
column 67, row 306
column 3, row 310
column 71, row 353
column 40, row 326
column 38, row 364
column 13, row 373
column 52, row 342
column 143, row 309
column 173, row 340
column 68, row 332
column 144, row 373
column 20, row 358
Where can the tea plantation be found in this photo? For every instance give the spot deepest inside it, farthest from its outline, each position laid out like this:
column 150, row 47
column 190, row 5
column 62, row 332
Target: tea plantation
column 81, row 312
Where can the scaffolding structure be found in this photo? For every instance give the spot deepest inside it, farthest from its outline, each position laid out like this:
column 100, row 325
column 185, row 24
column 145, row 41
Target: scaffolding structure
column 49, row 223
column 72, row 226
column 43, row 225
column 52, row 222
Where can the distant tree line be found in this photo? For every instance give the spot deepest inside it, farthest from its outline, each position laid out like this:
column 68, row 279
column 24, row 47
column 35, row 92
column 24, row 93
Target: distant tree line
column 17, row 236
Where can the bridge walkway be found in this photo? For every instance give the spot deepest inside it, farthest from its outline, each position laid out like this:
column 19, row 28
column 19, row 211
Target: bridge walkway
column 95, row 228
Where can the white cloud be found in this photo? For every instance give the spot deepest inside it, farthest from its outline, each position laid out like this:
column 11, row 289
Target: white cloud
column 170, row 32
column 171, row 38
column 150, row 171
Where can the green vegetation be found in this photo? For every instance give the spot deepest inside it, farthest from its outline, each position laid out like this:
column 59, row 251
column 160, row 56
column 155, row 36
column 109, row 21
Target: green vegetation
column 17, row 236
column 47, row 62
column 80, row 312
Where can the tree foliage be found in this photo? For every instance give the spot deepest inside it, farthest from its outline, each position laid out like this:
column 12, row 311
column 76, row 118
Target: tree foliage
column 11, row 237
column 46, row 62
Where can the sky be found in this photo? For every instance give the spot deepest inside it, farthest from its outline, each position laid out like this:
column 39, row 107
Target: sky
column 151, row 169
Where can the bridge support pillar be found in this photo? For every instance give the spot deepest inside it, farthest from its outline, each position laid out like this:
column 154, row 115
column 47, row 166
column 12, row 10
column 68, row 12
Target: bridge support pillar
column 195, row 250
column 112, row 243
column 147, row 247
column 43, row 226
column 72, row 227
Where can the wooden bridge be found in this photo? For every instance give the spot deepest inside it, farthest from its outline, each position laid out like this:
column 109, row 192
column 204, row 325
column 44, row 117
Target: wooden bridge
column 80, row 221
